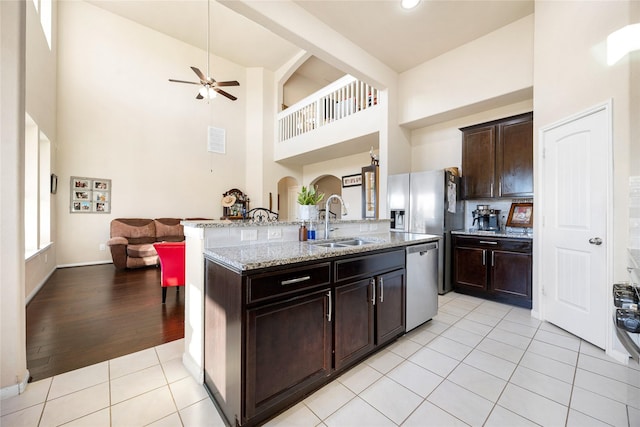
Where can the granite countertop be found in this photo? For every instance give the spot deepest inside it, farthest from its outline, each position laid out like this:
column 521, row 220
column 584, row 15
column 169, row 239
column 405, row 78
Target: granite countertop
column 510, row 235
column 220, row 223
column 251, row 257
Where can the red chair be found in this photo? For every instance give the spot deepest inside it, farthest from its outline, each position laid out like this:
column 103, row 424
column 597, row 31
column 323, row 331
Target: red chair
column 171, row 256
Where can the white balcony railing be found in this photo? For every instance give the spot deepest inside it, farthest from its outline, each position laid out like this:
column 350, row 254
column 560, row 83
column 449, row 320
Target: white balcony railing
column 340, row 99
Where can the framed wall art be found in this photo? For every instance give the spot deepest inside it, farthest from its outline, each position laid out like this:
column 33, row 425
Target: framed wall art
column 90, row 195
column 520, row 215
column 352, row 180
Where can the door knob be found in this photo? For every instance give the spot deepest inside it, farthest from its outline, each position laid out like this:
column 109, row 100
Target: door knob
column 595, row 241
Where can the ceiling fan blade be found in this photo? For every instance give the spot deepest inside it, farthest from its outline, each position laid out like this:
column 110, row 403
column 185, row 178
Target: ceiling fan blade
column 223, row 93
column 183, row 81
column 229, row 83
column 198, row 96
column 200, row 75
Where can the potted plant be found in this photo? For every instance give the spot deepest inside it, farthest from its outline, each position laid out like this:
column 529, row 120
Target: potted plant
column 308, row 198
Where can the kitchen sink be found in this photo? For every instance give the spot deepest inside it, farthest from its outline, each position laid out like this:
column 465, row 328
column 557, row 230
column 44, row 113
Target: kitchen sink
column 342, row 243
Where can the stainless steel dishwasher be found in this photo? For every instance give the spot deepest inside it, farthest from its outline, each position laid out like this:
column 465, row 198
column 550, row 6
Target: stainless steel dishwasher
column 422, row 283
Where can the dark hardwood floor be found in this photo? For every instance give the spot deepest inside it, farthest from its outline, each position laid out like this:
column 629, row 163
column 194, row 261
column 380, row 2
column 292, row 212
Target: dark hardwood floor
column 86, row 315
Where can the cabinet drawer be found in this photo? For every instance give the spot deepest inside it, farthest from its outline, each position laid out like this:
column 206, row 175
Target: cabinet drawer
column 517, row 245
column 368, row 265
column 283, row 282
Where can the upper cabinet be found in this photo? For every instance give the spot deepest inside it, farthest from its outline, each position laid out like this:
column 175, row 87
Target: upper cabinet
column 497, row 158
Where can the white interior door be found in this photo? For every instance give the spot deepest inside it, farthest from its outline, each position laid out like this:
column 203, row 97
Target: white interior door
column 573, row 268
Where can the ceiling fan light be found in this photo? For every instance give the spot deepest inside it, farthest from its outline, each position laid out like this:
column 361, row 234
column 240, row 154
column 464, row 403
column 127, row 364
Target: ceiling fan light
column 207, row 92
column 409, row 4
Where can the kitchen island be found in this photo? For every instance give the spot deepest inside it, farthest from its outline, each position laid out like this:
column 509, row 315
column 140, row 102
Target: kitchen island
column 283, row 318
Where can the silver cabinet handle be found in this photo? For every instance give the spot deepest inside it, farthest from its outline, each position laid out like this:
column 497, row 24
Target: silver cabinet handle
column 595, row 241
column 484, row 257
column 373, row 291
column 493, row 254
column 381, row 290
column 330, row 308
column 296, row 280
column 486, row 242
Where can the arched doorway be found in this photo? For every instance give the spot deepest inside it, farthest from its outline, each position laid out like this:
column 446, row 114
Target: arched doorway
column 286, row 204
column 329, row 184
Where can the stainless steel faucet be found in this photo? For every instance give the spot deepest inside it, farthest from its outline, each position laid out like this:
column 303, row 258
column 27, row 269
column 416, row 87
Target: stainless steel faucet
column 326, row 212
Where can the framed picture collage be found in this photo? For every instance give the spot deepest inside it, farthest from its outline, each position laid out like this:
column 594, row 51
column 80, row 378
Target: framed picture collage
column 90, row 195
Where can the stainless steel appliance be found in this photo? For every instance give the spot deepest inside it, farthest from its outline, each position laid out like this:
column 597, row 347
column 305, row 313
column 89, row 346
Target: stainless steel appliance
column 422, row 284
column 487, row 219
column 428, row 202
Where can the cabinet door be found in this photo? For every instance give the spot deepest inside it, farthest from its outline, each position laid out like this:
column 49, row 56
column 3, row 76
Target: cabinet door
column 478, row 162
column 514, row 158
column 288, row 349
column 353, row 321
column 470, row 267
column 511, row 274
column 390, row 306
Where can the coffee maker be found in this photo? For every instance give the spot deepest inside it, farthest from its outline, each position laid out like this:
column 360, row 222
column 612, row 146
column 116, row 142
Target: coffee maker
column 488, row 219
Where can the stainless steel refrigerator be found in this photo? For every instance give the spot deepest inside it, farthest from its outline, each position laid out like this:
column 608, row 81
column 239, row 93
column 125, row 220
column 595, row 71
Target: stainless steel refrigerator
column 428, row 202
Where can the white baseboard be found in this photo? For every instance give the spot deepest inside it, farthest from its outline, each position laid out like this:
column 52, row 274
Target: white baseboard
column 84, row 264
column 196, row 371
column 619, row 356
column 37, row 288
column 16, row 389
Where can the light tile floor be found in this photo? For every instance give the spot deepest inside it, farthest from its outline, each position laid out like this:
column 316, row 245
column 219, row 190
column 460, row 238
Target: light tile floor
column 476, row 363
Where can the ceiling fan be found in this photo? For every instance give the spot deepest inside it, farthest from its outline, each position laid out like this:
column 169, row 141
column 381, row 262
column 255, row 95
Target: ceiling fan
column 210, row 87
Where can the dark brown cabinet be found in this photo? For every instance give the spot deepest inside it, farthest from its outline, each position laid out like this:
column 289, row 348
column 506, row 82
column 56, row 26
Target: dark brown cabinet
column 369, row 313
column 273, row 336
column 288, row 349
column 495, row 268
column 497, row 158
column 354, row 322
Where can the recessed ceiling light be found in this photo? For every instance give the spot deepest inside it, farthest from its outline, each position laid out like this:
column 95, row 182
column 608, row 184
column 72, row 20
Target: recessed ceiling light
column 409, row 4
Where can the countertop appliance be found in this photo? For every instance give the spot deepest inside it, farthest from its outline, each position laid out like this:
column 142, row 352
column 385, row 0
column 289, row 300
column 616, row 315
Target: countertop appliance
column 487, row 219
column 428, row 202
column 422, row 284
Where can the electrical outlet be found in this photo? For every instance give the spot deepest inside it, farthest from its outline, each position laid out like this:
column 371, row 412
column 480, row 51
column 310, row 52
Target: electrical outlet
column 102, row 247
column 248, row 235
column 275, row 233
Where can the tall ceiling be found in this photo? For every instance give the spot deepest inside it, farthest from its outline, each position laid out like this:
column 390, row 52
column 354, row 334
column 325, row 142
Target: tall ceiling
column 400, row 39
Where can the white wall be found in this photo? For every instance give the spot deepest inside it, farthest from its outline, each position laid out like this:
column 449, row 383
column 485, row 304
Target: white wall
column 40, row 104
column 572, row 75
column 497, row 64
column 119, row 118
column 13, row 361
column 440, row 146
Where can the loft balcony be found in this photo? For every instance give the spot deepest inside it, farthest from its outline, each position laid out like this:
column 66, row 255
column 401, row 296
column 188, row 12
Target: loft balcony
column 340, row 119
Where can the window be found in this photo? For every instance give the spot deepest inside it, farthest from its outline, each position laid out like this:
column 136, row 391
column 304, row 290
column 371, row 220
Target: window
column 37, row 200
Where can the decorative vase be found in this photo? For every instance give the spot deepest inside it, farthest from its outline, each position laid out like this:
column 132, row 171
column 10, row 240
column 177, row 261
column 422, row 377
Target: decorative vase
column 308, row 212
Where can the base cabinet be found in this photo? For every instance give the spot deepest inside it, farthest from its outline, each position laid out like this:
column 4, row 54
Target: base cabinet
column 494, row 268
column 288, row 349
column 274, row 336
column 369, row 313
column 354, row 322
